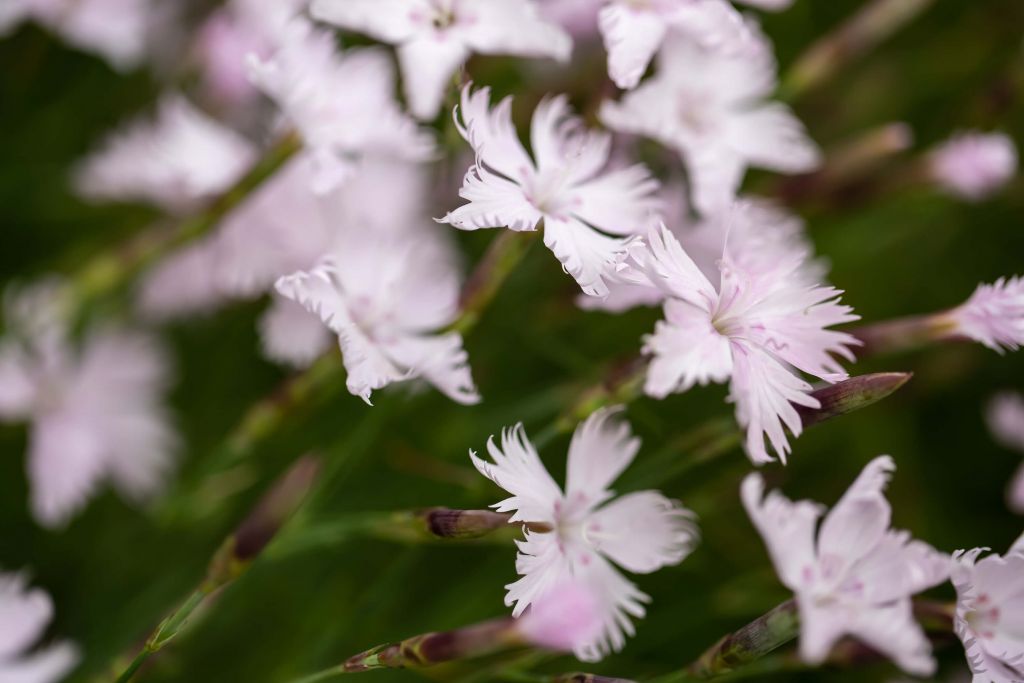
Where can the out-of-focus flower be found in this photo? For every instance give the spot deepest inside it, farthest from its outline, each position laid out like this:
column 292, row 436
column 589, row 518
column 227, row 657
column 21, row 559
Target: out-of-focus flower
column 562, row 185
column 1006, row 421
column 633, row 32
column 387, row 297
column 292, row 335
column 436, row 37
column 853, row 575
column 759, row 234
column 117, row 30
column 710, row 106
column 974, row 165
column 231, row 34
column 176, row 159
column 990, row 606
column 578, row 17
column 756, row 328
column 342, row 103
column 565, row 619
column 24, row 616
column 184, row 283
column 994, row 315
column 95, row 412
column 640, row 532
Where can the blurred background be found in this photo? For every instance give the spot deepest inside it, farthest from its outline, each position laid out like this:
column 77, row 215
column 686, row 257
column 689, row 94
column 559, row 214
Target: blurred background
column 324, row 591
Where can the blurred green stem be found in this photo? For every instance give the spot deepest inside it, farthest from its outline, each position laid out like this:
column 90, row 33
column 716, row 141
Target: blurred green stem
column 111, row 269
column 876, row 21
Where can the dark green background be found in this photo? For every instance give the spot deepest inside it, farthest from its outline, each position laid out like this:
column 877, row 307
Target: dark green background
column 116, row 570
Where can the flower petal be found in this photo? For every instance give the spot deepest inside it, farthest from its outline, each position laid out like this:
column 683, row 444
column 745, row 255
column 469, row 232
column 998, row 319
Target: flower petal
column 491, row 134
column 441, row 360
column 387, row 20
column 292, row 335
column 494, row 202
column 619, row 601
column 686, row 350
column 428, row 64
column 771, row 137
column 587, row 255
column 620, row 202
column 643, row 532
column 631, row 36
column 517, row 468
column 858, row 522
column 602, row 447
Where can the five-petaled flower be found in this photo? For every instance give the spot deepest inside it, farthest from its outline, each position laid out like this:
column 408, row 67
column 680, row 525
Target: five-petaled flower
column 589, row 531
column 436, row 37
column 587, row 214
column 755, row 328
column 853, row 575
column 989, row 610
column 710, row 107
column 24, row 616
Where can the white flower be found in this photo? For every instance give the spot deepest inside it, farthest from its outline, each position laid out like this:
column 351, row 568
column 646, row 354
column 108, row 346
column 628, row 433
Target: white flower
column 759, row 234
column 341, row 102
column 989, row 610
column 24, row 616
column 175, row 160
column 95, row 412
column 756, row 328
column 854, row 575
column 388, row 298
column 974, row 165
column 1006, row 422
column 710, row 107
column 292, row 335
column 566, row 618
column 633, row 31
column 117, row 30
column 436, row 37
column 562, row 185
column 640, row 532
column 994, row 315
column 182, row 284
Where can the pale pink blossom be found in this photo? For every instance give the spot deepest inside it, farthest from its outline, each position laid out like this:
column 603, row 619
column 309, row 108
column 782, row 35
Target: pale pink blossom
column 388, row 299
column 291, row 335
column 1006, row 422
column 974, row 165
column 578, row 17
column 852, row 575
column 634, row 31
column 25, row 614
column 587, row 213
column 182, row 284
column 712, row 108
column 994, row 315
column 175, row 159
column 759, row 233
column 758, row 327
column 95, row 411
column 591, row 533
column 342, row 103
column 566, row 618
column 117, row 30
column 434, row 38
column 989, row 612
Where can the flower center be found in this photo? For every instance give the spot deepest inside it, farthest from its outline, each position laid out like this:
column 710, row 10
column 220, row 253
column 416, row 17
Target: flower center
column 984, row 619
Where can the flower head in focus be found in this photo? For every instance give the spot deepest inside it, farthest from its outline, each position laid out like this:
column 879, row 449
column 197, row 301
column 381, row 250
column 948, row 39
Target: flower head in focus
column 387, row 298
column 436, row 37
column 24, row 615
column 852, row 575
column 990, row 606
column 342, row 103
column 757, row 327
column 974, row 165
column 175, row 160
column 1006, row 422
column 993, row 316
column 710, row 107
column 586, row 213
column 590, row 532
column 95, row 410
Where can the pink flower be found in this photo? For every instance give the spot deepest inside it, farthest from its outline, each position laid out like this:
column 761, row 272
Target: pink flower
column 990, row 606
column 435, row 37
column 710, row 107
column 341, row 102
column 1006, row 422
column 756, row 328
column 564, row 619
column 634, row 31
column 853, row 575
column 994, row 315
column 176, row 160
column 640, row 532
column 974, row 165
column 95, row 411
column 388, row 298
column 586, row 213
column 24, row 616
